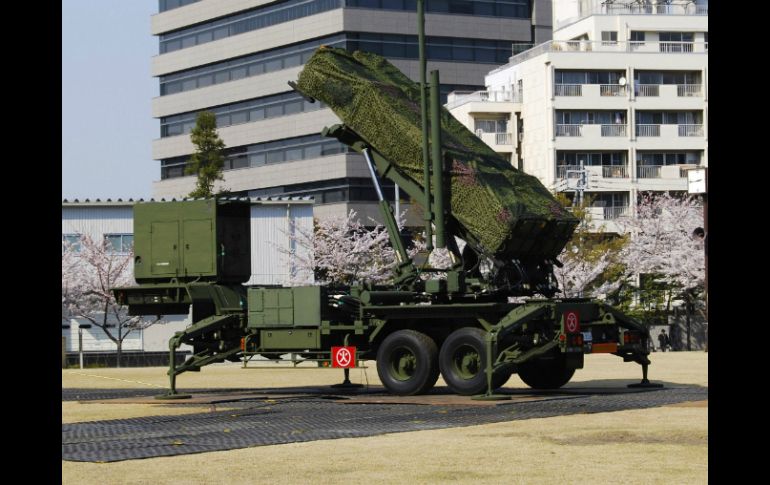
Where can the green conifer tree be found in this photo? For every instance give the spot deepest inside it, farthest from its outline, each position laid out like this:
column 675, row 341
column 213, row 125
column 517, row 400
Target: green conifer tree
column 208, row 160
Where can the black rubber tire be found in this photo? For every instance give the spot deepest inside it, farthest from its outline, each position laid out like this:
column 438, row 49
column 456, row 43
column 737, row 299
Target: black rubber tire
column 471, row 339
column 425, row 372
column 546, row 373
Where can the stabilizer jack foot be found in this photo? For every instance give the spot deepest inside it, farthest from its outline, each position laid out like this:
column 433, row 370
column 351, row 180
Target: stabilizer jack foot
column 491, row 397
column 346, row 384
column 645, row 382
column 174, row 395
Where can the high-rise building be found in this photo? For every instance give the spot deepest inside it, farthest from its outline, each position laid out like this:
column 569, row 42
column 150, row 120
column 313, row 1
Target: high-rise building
column 615, row 105
column 235, row 57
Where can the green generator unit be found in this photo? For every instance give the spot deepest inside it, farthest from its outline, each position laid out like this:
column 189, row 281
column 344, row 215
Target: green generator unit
column 198, row 240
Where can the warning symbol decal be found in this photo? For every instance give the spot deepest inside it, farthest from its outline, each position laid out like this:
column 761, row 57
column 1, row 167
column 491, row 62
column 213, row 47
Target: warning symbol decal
column 344, row 357
column 571, row 321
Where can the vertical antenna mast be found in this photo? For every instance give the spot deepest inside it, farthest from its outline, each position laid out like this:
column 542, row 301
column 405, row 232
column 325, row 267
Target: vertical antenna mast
column 428, row 216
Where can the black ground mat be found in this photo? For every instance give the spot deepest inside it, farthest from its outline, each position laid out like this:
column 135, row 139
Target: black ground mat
column 310, row 418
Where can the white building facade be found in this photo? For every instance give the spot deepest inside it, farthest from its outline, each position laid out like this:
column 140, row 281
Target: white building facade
column 616, row 103
column 273, row 224
column 235, row 58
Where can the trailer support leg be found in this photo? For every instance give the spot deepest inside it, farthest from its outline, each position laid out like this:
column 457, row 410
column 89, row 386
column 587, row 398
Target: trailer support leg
column 172, row 394
column 645, row 382
column 346, row 384
column 490, row 341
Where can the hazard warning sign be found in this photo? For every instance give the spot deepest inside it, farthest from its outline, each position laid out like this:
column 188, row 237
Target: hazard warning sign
column 344, row 357
column 571, row 321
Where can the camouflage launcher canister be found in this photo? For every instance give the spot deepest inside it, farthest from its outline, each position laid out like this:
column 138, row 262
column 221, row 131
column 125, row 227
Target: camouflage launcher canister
column 501, row 211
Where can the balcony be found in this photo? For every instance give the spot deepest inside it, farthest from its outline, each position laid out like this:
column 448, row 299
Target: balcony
column 459, row 98
column 668, row 90
column 569, row 130
column 599, row 46
column 607, row 171
column 499, row 142
column 689, row 90
column 647, row 130
column 685, row 130
column 592, row 89
column 690, row 130
column 613, row 130
column 647, row 90
column 591, row 130
column 612, row 90
column 688, row 8
column 669, row 172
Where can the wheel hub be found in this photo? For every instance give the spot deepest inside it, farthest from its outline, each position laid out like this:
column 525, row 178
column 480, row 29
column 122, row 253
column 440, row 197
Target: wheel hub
column 467, row 362
column 403, row 364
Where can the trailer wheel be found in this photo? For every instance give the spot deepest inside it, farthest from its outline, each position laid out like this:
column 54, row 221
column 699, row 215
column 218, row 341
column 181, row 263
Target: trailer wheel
column 546, row 373
column 407, row 362
column 462, row 361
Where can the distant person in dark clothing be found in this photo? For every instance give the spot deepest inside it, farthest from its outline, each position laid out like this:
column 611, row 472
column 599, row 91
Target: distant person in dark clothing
column 663, row 340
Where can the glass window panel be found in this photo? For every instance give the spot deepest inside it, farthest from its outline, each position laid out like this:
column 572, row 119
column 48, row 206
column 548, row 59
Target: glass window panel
column 188, row 41
column 257, row 159
column 240, row 162
column 483, row 8
column 221, row 77
column 256, row 114
column 293, row 107
column 221, row 33
column 313, row 151
column 293, row 154
column 171, row 45
column 275, row 156
column 274, row 110
column 462, row 53
column 273, row 65
column 206, row 80
column 223, row 120
column 239, row 117
column 238, row 73
column 256, row 69
column 189, row 84
column 205, row 37
column 291, row 61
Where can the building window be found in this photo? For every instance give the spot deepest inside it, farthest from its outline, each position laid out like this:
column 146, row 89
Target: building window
column 240, row 23
column 676, row 41
column 242, row 112
column 387, row 45
column 71, row 240
column 120, row 243
column 164, row 5
column 490, row 126
column 609, row 37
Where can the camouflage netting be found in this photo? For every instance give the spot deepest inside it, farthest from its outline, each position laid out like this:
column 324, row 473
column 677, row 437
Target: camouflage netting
column 499, row 209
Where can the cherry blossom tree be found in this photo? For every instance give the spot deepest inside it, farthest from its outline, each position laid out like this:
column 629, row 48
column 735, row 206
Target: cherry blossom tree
column 661, row 241
column 90, row 269
column 590, row 260
column 664, row 253
column 344, row 251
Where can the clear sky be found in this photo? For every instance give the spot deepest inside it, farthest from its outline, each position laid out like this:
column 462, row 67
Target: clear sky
column 107, row 124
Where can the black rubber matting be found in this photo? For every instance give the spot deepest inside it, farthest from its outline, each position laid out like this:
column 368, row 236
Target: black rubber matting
column 310, row 418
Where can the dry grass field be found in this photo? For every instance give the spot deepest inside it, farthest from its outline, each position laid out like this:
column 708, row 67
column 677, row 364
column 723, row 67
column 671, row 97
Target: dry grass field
column 657, row 445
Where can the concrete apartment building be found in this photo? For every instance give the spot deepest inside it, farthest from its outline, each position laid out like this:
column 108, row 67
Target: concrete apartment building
column 619, row 95
column 235, row 57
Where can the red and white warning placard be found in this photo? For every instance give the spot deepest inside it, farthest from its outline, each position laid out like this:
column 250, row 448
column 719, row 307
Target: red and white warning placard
column 571, row 321
column 344, row 357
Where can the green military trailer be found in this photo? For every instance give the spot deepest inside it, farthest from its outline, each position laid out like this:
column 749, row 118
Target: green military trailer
column 493, row 312
column 187, row 254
